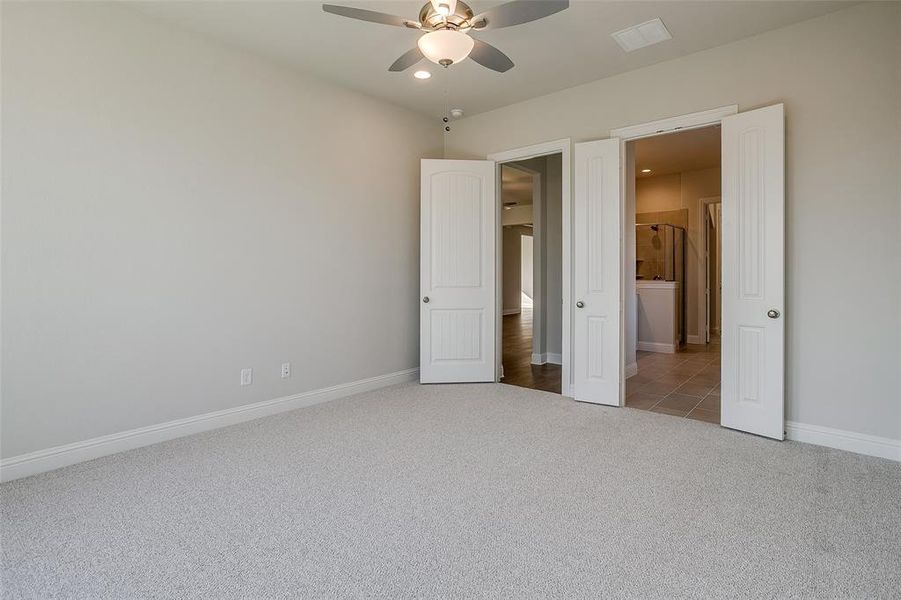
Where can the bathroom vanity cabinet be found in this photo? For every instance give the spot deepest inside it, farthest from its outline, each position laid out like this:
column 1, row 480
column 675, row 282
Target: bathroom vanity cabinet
column 659, row 315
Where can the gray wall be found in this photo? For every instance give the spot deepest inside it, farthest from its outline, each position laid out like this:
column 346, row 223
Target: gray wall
column 174, row 211
column 512, row 268
column 840, row 79
column 553, row 253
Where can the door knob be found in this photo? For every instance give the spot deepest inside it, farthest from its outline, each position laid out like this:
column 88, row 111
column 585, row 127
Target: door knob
column 773, row 313
column 425, row 299
column 580, row 304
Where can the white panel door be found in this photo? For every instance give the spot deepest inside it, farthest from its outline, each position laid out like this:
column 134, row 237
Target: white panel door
column 597, row 273
column 753, row 330
column 457, row 271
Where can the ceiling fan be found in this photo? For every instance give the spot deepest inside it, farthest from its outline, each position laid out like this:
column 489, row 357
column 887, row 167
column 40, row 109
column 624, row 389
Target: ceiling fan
column 447, row 25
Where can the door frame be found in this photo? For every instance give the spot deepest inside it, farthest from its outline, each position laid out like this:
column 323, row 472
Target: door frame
column 696, row 120
column 703, row 204
column 564, row 148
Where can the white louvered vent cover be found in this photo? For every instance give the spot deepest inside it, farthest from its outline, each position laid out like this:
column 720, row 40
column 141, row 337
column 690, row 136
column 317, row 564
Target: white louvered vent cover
column 642, row 35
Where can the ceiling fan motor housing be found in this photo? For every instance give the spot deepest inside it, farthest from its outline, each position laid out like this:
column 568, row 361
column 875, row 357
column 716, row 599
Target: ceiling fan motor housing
column 431, row 20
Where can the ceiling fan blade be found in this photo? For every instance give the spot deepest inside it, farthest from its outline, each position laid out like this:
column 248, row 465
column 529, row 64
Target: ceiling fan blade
column 517, row 13
column 369, row 15
column 407, row 60
column 489, row 56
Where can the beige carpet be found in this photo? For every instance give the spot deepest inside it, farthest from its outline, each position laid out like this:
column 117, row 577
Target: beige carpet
column 462, row 491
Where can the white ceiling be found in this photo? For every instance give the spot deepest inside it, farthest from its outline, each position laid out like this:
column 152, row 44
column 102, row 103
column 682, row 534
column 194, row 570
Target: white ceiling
column 677, row 152
column 560, row 51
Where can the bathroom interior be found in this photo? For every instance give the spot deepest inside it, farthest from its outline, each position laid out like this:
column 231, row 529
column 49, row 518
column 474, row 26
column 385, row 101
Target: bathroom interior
column 660, row 282
column 677, row 274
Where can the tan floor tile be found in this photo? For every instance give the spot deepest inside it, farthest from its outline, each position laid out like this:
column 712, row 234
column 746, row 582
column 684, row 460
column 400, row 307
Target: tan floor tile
column 674, row 378
column 698, row 389
column 661, row 388
column 710, row 380
column 702, row 414
column 639, row 379
column 698, row 361
column 710, row 403
column 632, row 387
column 652, row 372
column 643, row 400
column 695, row 349
column 669, row 411
column 679, row 402
column 670, row 359
column 686, row 370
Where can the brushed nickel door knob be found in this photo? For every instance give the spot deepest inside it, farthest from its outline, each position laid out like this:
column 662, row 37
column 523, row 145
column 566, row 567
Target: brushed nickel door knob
column 773, row 313
column 425, row 299
column 580, row 304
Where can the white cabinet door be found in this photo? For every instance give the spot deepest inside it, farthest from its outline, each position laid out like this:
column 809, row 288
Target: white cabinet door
column 753, row 326
column 597, row 273
column 457, row 271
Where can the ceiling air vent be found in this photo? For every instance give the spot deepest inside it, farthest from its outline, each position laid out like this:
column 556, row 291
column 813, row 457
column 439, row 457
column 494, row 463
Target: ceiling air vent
column 642, row 35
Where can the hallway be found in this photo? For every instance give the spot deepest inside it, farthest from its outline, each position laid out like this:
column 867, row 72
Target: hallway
column 518, row 367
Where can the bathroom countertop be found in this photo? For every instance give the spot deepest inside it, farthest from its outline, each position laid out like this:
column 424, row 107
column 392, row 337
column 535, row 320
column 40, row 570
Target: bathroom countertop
column 658, row 283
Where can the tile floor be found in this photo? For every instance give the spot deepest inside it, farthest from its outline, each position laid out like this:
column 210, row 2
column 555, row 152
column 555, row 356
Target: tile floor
column 685, row 384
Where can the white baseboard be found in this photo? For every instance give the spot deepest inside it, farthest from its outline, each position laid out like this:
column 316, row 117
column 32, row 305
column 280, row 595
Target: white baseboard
column 839, row 439
column 656, row 347
column 631, row 370
column 695, row 339
column 547, row 357
column 511, row 311
column 69, row 454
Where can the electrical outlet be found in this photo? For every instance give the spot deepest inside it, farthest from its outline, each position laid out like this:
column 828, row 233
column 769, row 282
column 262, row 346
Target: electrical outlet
column 246, row 376
column 286, row 370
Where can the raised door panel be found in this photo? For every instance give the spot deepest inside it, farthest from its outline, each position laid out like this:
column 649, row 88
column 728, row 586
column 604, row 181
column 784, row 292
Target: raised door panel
column 456, row 226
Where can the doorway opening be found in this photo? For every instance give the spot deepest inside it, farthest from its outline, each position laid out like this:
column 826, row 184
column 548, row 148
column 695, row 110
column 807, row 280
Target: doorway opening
column 531, row 272
column 675, row 255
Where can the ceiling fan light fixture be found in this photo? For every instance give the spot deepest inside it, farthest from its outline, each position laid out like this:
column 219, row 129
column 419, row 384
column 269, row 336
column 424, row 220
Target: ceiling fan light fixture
column 422, row 74
column 445, row 46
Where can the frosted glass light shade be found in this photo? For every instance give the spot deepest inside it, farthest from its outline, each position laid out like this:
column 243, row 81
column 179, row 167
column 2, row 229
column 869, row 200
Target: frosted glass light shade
column 445, row 45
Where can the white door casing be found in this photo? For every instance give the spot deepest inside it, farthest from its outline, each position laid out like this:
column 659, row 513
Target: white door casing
column 753, row 259
column 457, row 271
column 706, row 273
column 597, row 274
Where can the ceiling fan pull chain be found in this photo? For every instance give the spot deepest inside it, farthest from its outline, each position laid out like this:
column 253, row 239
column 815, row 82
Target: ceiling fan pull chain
column 446, row 118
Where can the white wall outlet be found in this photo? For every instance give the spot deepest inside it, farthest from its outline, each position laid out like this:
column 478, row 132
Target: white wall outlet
column 286, row 370
column 246, row 376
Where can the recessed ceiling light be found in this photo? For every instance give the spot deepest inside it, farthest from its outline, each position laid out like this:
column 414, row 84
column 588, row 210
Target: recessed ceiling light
column 642, row 35
column 645, row 170
column 456, row 113
column 422, row 74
